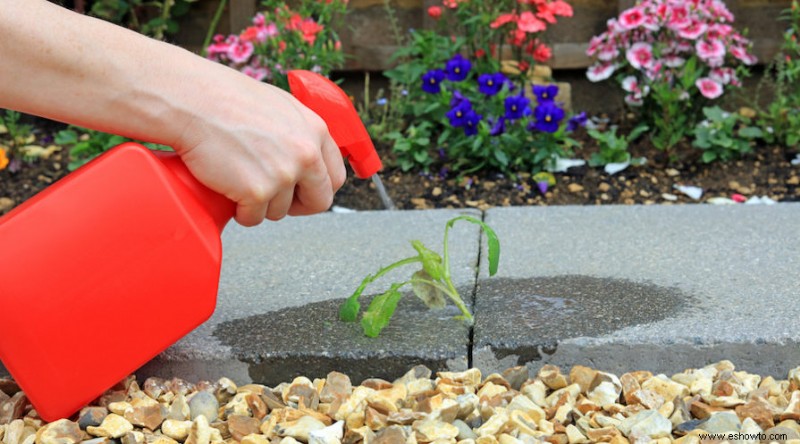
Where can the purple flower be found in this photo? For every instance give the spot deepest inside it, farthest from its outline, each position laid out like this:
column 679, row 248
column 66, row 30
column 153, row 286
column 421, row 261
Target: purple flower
column 499, row 127
column 443, row 172
column 491, row 84
column 516, row 107
column 458, row 114
column 457, row 99
column 548, row 116
column 471, row 125
column 431, row 81
column 545, row 93
column 457, row 68
column 576, row 121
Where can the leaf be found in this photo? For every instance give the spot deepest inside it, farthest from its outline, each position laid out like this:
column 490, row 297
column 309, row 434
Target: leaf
column 491, row 240
column 501, row 156
column 66, row 137
column 431, row 261
column 380, row 311
column 348, row 312
column 636, row 132
column 751, row 132
column 432, row 296
column 709, row 156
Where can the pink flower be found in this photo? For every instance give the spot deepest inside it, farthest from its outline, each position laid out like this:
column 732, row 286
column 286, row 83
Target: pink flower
column 630, row 84
column 258, row 73
column 640, row 55
column 600, row 71
column 502, row 19
column 529, row 23
column 632, row 18
column 742, row 55
column 673, row 61
column 721, row 75
column 634, row 99
column 678, row 17
column 710, row 49
column 240, row 52
column 718, row 31
column 694, row 30
column 608, row 52
column 594, row 45
column 708, row 87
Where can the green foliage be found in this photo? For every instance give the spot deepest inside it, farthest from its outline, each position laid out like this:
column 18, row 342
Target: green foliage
column 670, row 111
column 13, row 134
column 781, row 117
column 613, row 147
column 431, row 284
column 724, row 136
column 284, row 36
column 86, row 144
column 154, row 18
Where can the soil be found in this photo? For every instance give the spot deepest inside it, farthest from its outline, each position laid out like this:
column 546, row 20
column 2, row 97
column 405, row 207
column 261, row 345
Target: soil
column 768, row 172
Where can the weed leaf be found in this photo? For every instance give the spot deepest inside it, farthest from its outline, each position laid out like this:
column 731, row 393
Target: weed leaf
column 431, row 261
column 348, row 312
column 428, row 293
column 380, row 311
column 491, row 238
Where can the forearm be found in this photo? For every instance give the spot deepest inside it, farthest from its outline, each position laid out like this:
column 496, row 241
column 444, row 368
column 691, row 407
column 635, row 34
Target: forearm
column 76, row 69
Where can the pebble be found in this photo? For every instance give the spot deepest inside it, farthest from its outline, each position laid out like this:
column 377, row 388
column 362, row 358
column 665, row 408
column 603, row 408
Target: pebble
column 176, row 429
column 113, row 426
column 91, row 416
column 6, row 203
column 575, row 188
column 513, row 407
column 62, row 431
column 205, row 404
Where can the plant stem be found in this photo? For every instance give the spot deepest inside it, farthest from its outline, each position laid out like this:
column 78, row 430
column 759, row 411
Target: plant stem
column 451, row 292
column 214, row 23
column 388, row 268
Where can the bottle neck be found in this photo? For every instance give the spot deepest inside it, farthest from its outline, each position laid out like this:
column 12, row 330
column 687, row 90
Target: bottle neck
column 220, row 208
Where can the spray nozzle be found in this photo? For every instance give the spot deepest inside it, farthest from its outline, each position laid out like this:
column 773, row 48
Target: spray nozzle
column 334, row 106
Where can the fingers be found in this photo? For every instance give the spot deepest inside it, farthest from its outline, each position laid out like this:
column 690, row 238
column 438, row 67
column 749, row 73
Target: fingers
column 308, row 197
column 280, row 204
column 333, row 163
column 250, row 214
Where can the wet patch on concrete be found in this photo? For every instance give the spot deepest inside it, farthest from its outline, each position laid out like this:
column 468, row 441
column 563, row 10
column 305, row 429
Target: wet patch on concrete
column 311, row 341
column 527, row 318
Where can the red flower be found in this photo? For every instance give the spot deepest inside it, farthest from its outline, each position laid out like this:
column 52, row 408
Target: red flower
column 480, row 53
column 435, row 12
column 502, row 19
column 523, row 66
column 542, row 53
column 249, row 35
column 310, row 29
column 529, row 23
column 516, row 37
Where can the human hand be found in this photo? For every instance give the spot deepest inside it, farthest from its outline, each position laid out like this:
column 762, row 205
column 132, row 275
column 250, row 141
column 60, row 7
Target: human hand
column 260, row 147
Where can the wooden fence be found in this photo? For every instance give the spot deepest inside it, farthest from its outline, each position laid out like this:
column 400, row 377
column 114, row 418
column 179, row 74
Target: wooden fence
column 368, row 41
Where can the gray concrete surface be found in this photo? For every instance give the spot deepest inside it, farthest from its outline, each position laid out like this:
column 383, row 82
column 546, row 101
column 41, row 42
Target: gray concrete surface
column 281, row 287
column 660, row 288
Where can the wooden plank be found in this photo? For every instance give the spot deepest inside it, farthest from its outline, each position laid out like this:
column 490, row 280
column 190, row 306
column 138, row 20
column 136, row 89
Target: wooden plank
column 240, row 14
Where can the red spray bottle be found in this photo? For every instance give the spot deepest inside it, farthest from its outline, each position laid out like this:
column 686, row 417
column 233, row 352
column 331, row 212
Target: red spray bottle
column 111, row 265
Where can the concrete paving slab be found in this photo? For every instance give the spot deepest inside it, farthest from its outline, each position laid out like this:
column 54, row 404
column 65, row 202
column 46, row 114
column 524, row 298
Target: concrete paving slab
column 280, row 291
column 661, row 288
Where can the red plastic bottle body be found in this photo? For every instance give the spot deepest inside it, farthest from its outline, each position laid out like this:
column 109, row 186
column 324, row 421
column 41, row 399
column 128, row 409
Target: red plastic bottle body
column 114, row 263
column 99, row 279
